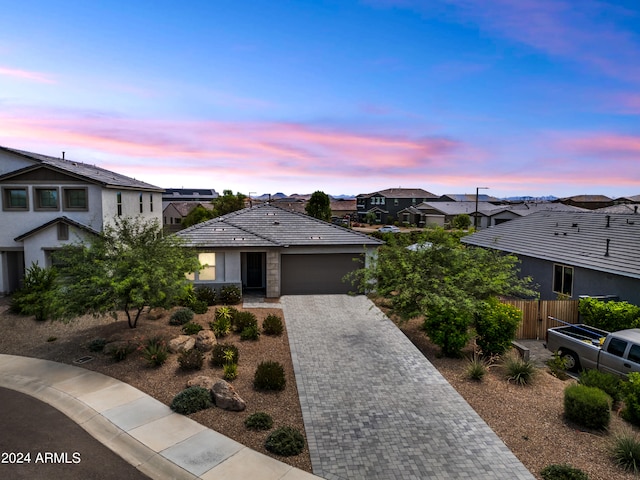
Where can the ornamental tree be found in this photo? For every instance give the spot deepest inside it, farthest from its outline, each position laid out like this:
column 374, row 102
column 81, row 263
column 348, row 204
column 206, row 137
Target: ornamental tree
column 319, row 206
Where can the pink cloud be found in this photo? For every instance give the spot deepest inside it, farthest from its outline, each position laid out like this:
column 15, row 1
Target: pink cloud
column 605, row 145
column 26, row 75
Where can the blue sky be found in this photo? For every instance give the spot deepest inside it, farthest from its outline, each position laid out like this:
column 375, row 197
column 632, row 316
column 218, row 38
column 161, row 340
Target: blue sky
column 527, row 97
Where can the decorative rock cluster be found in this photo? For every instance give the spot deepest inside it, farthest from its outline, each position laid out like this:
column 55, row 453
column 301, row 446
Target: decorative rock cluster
column 223, row 394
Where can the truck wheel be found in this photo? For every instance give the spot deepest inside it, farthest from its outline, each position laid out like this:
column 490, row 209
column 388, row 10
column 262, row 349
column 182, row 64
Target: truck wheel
column 571, row 360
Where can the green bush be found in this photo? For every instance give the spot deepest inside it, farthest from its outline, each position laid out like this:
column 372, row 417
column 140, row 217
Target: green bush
column 562, row 472
column 461, row 221
column 272, row 325
column 119, row 350
column 606, row 382
column 206, row 294
column 625, row 451
column 252, row 332
column 39, row 295
column 97, row 344
column 631, row 396
column 230, row 295
column 191, row 328
column 230, row 371
column 155, row 351
column 449, row 329
column 219, row 355
column 589, row 407
column 259, row 421
column 557, row 366
column 519, row 371
column 610, row 316
column 191, row 400
column 191, row 359
column 199, row 306
column 242, row 320
column 181, row 316
column 221, row 327
column 477, row 368
column 496, row 326
column 285, row 441
column 269, row 376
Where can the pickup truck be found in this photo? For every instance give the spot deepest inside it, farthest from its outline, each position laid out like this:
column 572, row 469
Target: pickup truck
column 585, row 347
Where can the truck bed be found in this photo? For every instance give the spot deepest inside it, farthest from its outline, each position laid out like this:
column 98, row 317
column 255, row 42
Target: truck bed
column 584, row 333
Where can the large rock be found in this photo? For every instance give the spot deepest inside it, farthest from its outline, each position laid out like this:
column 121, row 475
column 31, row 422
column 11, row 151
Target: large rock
column 181, row 343
column 201, row 381
column 205, row 340
column 226, row 397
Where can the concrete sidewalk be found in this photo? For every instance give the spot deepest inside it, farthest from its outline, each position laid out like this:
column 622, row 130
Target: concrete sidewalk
column 375, row 408
column 143, row 431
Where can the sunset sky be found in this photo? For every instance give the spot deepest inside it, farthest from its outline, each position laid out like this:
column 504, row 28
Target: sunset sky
column 526, row 97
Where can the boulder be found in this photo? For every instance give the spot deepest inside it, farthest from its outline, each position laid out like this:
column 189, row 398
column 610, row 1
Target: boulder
column 226, row 397
column 181, row 343
column 201, row 381
column 205, row 340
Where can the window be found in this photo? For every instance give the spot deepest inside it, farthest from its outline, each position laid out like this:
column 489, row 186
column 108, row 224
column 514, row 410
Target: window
column 151, row 202
column 46, row 199
column 634, row 353
column 617, row 347
column 63, row 231
column 563, row 279
column 15, row 198
column 395, row 202
column 141, row 204
column 208, row 271
column 119, row 203
column 75, row 199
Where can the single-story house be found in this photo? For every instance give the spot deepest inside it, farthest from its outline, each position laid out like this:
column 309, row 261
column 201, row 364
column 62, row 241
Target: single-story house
column 572, row 253
column 270, row 249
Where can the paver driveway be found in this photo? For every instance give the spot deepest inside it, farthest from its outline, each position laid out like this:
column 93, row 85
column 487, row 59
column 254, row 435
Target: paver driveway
column 375, row 408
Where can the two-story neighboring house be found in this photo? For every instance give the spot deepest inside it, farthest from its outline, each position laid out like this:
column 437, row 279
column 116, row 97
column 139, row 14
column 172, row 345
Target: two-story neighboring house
column 386, row 204
column 48, row 202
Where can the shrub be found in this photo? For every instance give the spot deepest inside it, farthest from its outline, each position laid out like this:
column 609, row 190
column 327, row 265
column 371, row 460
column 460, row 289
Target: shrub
column 477, row 368
column 269, row 376
column 119, row 350
column 496, row 326
column 562, row 472
column 285, row 441
column 230, row 295
column 191, row 328
column 206, row 294
column 557, row 366
column 252, row 332
column 39, row 295
column 199, row 306
column 611, row 316
column 589, row 407
column 521, row 372
column 191, row 400
column 625, row 451
column 631, row 394
column 221, row 327
column 191, row 359
column 259, row 421
column 242, row 320
column 219, row 354
column 272, row 325
column 181, row 316
column 97, row 344
column 606, row 382
column 449, row 329
column 155, row 351
column 230, row 371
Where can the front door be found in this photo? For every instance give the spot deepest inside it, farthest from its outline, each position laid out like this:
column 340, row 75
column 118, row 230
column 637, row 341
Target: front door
column 255, row 261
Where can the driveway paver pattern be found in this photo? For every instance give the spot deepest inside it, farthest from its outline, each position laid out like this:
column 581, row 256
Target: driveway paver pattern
column 375, row 408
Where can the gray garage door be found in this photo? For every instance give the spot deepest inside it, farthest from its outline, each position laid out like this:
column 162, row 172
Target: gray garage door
column 317, row 274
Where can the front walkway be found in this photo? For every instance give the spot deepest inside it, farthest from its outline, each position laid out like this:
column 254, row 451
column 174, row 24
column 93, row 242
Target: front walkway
column 375, row 408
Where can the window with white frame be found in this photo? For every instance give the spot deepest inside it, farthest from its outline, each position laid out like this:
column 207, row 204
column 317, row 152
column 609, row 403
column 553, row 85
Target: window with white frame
column 563, row 279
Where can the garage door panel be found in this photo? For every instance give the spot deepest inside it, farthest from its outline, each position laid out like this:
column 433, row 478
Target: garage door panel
column 316, row 273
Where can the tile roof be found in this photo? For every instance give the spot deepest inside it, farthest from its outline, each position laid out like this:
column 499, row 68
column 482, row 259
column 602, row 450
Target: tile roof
column 470, row 197
column 92, row 173
column 580, row 239
column 269, row 226
column 184, row 208
column 63, row 219
column 457, row 208
column 586, row 198
column 401, row 193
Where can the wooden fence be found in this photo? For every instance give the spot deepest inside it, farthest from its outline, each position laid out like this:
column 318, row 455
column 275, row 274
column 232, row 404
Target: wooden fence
column 536, row 313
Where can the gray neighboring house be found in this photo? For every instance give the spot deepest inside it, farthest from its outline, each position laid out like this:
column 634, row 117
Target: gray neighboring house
column 386, row 205
column 572, row 253
column 272, row 250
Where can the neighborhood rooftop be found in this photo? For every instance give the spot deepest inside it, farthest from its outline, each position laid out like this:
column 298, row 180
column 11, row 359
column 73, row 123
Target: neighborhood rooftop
column 598, row 241
column 266, row 225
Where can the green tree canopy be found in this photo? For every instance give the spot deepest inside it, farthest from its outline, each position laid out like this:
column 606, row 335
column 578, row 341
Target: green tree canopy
column 128, row 266
column 227, row 203
column 319, row 206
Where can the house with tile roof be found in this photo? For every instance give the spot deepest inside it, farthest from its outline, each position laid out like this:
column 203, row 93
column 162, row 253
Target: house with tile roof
column 572, row 253
column 48, row 202
column 272, row 250
column 174, row 213
column 590, row 202
column 386, row 204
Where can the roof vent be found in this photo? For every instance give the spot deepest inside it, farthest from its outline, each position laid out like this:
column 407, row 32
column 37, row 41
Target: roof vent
column 574, row 225
column 238, row 239
column 313, row 237
column 606, row 254
column 608, row 220
column 276, row 223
